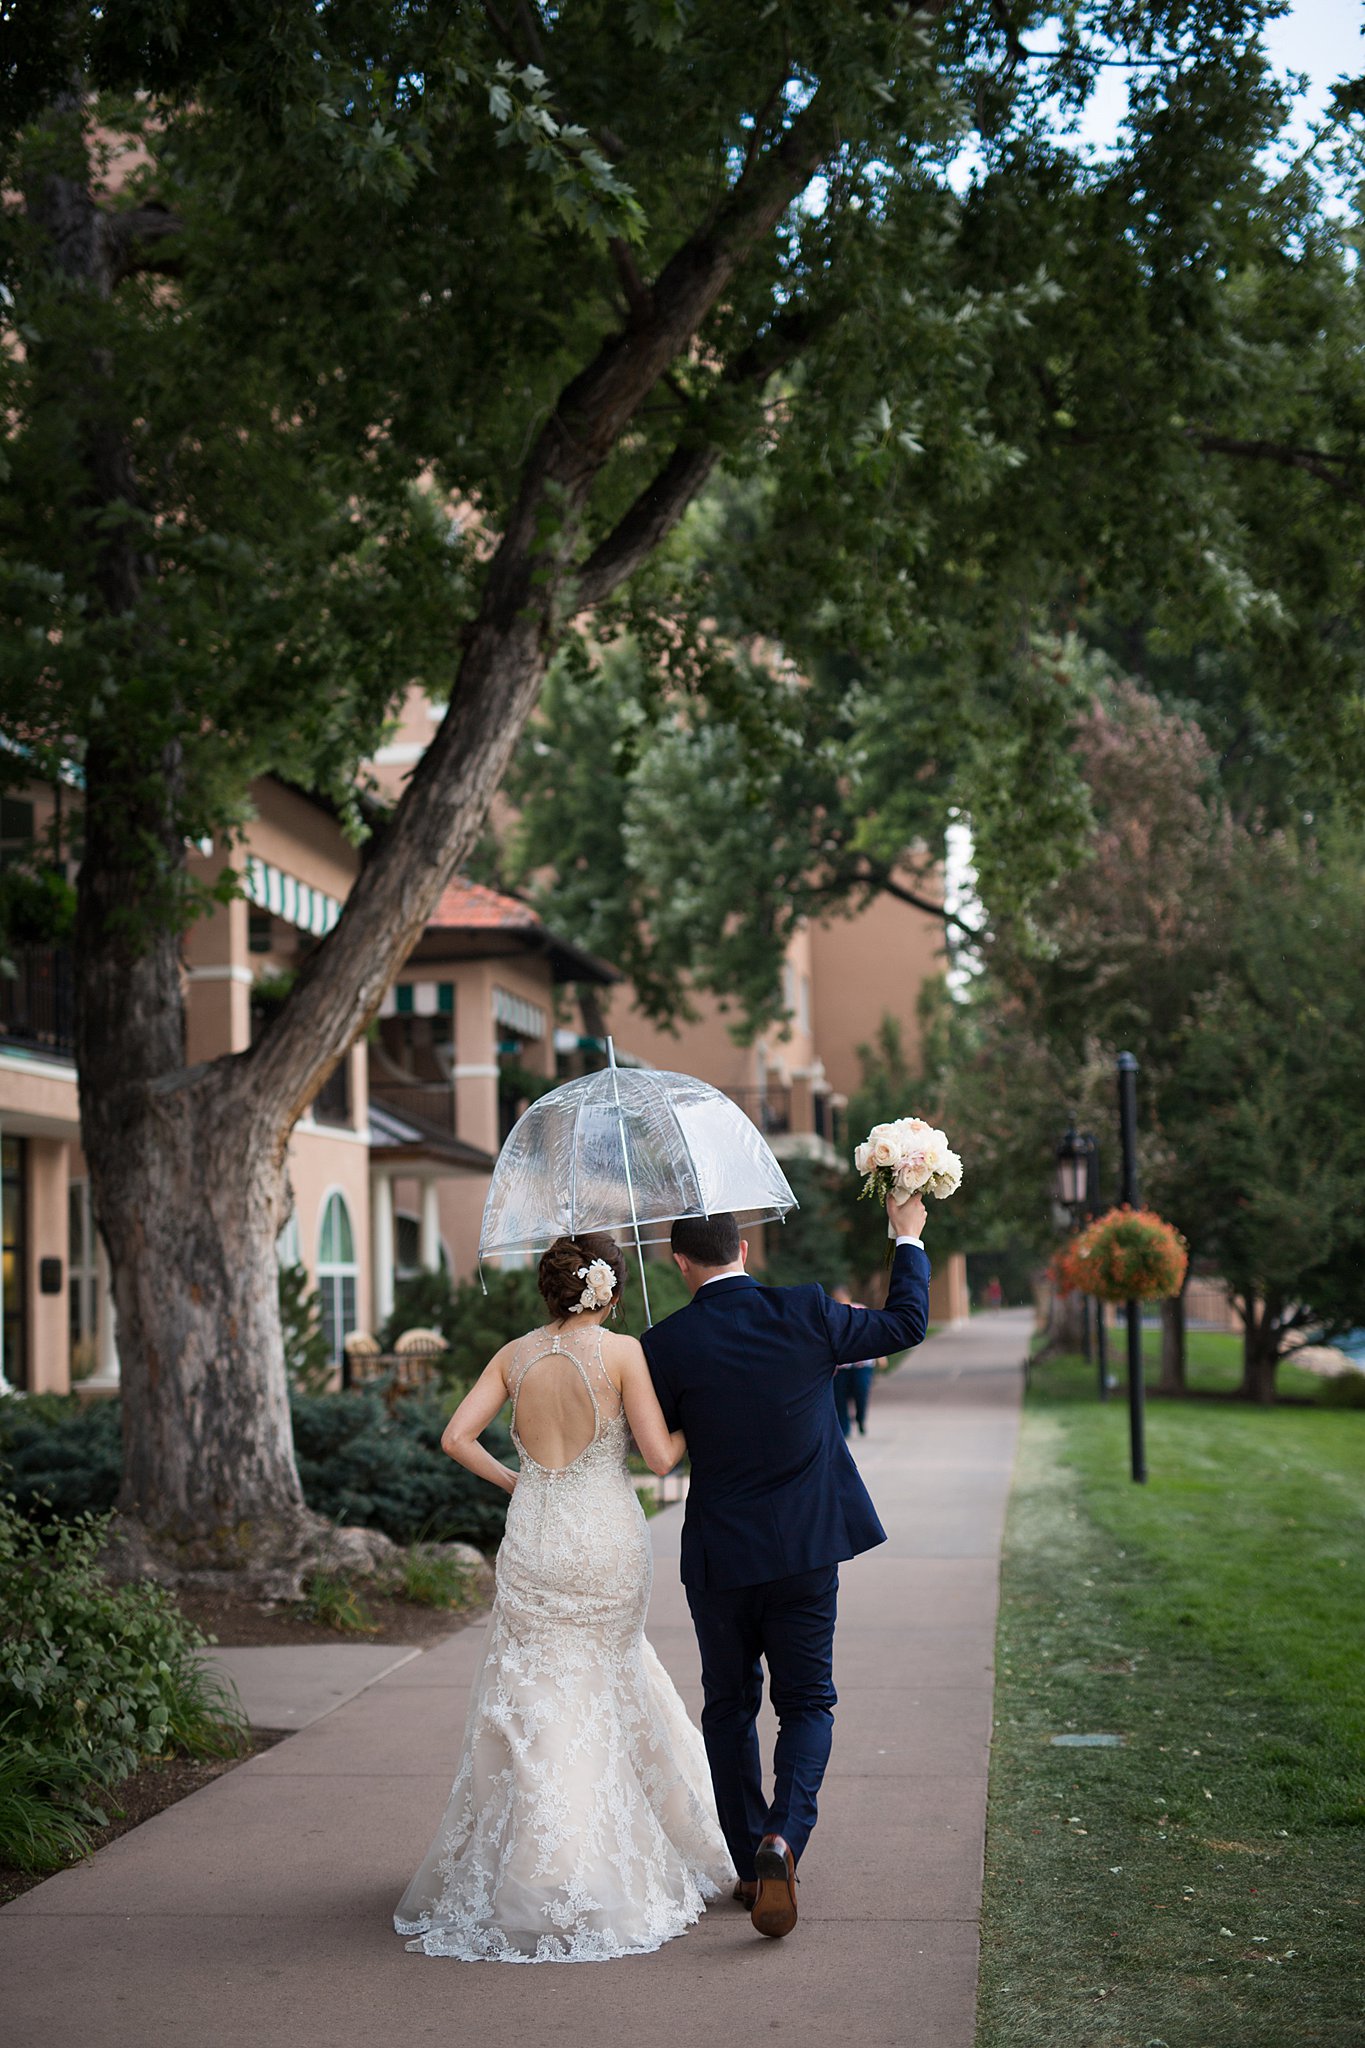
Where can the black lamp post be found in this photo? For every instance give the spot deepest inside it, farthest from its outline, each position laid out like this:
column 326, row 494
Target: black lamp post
column 1127, row 1073
column 1078, row 1189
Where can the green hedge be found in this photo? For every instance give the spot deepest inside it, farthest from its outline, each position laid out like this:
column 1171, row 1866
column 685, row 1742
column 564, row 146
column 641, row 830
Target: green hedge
column 357, row 1463
column 360, row 1464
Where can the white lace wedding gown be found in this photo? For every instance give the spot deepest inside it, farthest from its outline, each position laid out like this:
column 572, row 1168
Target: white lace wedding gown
column 581, row 1825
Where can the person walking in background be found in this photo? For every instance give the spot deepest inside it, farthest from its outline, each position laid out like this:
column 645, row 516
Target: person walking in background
column 853, row 1383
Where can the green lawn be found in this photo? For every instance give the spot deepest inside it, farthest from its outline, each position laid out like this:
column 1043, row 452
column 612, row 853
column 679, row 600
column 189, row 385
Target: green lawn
column 1202, row 1884
column 1213, row 1365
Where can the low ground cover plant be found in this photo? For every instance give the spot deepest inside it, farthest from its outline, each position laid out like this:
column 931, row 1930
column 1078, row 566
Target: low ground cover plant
column 95, row 1679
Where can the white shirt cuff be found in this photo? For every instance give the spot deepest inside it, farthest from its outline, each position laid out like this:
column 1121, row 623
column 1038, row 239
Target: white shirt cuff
column 917, row 1241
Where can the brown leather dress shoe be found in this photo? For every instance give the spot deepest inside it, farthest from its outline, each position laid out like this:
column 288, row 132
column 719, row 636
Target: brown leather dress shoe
column 774, row 1912
column 745, row 1892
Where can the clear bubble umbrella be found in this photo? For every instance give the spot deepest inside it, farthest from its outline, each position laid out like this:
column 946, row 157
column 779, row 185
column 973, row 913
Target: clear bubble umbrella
column 629, row 1150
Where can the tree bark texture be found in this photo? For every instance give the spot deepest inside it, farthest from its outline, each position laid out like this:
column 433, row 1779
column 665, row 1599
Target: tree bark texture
column 1173, row 1346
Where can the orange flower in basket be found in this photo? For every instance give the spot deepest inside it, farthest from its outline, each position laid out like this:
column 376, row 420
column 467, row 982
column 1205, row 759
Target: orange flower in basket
column 1125, row 1255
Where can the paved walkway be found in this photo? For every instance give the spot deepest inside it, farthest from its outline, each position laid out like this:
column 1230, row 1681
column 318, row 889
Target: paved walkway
column 255, row 1914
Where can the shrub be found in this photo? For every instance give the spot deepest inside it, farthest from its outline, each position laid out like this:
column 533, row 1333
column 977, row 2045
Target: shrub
column 357, row 1463
column 1125, row 1255
column 361, row 1464
column 59, row 1458
column 105, row 1674
column 94, row 1679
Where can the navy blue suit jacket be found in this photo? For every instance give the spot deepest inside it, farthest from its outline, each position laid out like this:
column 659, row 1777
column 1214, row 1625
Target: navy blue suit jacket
column 745, row 1371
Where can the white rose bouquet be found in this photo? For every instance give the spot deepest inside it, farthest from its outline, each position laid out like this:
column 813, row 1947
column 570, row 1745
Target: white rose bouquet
column 908, row 1157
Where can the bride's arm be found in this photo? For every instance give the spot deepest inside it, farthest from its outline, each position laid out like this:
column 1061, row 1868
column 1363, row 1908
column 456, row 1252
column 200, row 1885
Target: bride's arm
column 659, row 1446
column 460, row 1437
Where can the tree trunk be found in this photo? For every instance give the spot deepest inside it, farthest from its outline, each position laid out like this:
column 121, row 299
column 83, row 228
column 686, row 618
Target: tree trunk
column 1065, row 1325
column 1260, row 1351
column 1173, row 1348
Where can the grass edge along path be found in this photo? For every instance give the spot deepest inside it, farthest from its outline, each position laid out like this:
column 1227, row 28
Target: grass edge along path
column 1200, row 1885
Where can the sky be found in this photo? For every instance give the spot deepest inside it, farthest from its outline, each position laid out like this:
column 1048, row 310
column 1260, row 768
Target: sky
column 1322, row 39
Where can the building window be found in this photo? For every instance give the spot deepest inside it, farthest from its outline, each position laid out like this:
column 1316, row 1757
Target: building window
column 14, row 1261
column 337, row 1274
column 16, row 830
column 82, row 1281
column 407, row 1230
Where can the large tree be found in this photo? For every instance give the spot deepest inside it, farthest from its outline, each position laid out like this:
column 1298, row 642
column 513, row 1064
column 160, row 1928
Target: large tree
column 357, row 342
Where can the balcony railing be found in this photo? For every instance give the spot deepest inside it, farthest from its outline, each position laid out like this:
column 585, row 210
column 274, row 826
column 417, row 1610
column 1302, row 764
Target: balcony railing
column 431, row 1101
column 38, row 1002
column 769, row 1108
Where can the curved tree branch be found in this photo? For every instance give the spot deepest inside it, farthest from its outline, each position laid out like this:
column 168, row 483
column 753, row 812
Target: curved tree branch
column 1335, row 471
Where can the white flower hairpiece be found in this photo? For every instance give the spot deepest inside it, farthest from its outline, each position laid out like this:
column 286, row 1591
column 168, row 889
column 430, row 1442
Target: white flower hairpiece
column 601, row 1285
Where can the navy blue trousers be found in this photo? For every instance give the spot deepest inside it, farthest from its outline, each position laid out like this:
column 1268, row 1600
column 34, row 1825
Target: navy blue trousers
column 790, row 1622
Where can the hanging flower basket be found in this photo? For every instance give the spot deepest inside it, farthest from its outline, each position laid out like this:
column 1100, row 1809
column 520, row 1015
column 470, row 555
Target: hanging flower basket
column 1125, row 1255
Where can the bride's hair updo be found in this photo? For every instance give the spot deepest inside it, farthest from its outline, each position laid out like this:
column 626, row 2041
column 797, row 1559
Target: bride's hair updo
column 560, row 1278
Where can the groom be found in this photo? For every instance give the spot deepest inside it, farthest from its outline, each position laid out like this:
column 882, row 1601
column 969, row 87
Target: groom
column 746, row 1372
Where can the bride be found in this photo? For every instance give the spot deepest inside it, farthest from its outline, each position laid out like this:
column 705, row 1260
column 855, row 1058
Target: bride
column 582, row 1824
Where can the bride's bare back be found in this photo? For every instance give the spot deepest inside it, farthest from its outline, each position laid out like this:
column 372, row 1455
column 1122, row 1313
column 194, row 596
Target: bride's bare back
column 562, row 1394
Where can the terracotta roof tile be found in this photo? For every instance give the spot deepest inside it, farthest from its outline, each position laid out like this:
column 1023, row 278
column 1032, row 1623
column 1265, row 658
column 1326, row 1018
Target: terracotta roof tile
column 469, row 906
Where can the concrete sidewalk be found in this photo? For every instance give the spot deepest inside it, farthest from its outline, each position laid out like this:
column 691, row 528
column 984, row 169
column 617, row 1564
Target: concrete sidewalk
column 256, row 1914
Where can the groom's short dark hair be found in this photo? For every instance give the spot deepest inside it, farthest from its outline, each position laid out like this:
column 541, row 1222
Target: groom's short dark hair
column 706, row 1240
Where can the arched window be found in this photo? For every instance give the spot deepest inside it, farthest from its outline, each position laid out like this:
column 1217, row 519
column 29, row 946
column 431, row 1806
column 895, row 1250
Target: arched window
column 337, row 1273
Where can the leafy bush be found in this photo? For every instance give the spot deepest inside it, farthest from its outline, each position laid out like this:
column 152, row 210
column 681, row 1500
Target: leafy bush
column 59, row 1458
column 357, row 1463
column 94, row 1679
column 361, row 1464
column 105, row 1674
column 474, row 1324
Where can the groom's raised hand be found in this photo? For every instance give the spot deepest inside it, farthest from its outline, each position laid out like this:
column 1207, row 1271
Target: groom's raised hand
column 907, row 1218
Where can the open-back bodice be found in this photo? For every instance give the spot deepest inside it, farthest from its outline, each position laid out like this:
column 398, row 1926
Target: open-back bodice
column 550, row 1372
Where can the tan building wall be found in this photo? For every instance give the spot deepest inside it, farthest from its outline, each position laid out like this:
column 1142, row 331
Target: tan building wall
column 866, row 967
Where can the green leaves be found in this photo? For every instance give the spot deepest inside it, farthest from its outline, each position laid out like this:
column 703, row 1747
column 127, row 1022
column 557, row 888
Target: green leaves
column 584, row 188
